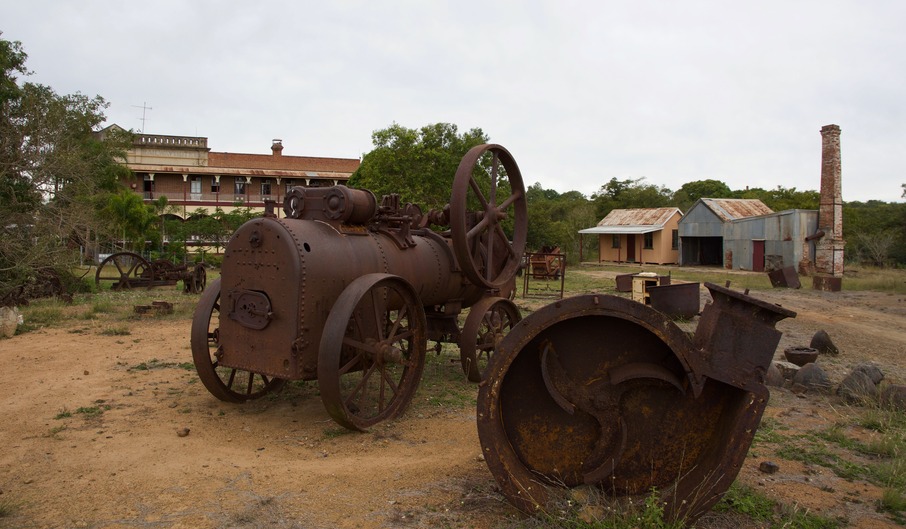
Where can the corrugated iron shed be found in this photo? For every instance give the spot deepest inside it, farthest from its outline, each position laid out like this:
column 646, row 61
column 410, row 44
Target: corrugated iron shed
column 639, row 217
column 729, row 209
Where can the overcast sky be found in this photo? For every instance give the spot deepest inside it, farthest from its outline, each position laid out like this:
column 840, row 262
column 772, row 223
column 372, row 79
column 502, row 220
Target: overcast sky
column 579, row 92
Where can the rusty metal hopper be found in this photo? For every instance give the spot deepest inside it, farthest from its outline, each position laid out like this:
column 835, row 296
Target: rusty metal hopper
column 599, row 390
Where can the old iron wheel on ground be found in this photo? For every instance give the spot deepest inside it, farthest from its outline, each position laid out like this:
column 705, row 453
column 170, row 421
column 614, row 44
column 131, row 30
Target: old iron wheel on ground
column 225, row 383
column 123, row 270
column 488, row 322
column 372, row 351
column 482, row 248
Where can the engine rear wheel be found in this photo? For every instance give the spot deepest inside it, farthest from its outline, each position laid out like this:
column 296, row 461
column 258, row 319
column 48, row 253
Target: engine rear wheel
column 225, row 383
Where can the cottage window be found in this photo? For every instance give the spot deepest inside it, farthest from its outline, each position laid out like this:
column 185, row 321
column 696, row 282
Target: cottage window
column 265, row 187
column 616, row 242
column 195, row 185
column 675, row 244
column 649, row 240
column 239, row 186
column 215, row 186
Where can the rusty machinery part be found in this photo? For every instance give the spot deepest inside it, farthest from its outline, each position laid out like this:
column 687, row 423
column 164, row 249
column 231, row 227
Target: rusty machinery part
column 336, row 203
column 488, row 322
column 195, row 281
column 123, row 270
column 200, row 278
column 598, row 390
column 227, row 384
column 372, row 351
column 165, row 269
column 485, row 252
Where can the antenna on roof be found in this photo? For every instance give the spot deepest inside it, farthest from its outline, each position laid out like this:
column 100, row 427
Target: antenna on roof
column 144, row 106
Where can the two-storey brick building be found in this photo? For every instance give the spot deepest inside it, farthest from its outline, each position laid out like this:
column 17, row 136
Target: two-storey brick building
column 192, row 177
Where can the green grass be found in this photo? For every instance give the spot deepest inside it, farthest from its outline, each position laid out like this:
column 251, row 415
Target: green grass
column 56, row 431
column 588, row 508
column 339, row 431
column 108, row 307
column 116, row 330
column 745, row 500
column 879, row 460
column 817, row 454
column 856, row 277
column 738, row 280
column 894, row 502
column 768, row 432
column 41, row 313
column 154, row 363
column 92, row 411
column 874, row 279
column 7, row 508
column 443, row 384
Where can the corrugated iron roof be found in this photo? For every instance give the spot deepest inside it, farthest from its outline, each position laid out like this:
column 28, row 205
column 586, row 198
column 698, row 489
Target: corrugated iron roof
column 736, row 208
column 621, row 230
column 639, row 217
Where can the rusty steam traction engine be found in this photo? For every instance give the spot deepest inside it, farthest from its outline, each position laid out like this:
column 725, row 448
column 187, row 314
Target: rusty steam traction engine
column 592, row 390
column 348, row 292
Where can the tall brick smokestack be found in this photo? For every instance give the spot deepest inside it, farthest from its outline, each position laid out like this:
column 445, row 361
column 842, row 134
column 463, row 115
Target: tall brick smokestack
column 829, row 248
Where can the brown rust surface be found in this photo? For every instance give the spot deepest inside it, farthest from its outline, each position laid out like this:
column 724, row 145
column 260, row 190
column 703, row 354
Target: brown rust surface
column 600, row 390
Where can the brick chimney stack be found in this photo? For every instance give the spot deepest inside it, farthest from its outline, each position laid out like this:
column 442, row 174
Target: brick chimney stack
column 829, row 248
column 277, row 147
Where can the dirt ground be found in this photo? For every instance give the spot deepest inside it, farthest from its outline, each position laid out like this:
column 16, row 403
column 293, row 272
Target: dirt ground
column 120, row 459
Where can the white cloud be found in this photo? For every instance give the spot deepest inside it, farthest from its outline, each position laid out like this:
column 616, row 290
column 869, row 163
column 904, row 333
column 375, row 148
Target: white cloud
column 579, row 92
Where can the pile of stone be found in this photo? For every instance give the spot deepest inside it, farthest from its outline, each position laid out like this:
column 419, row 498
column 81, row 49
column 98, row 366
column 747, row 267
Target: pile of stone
column 863, row 385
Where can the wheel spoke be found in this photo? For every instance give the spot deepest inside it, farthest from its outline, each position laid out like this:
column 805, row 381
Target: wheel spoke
column 478, row 194
column 391, row 335
column 360, row 387
column 479, row 228
column 510, row 200
column 349, row 365
column 360, row 345
column 377, row 314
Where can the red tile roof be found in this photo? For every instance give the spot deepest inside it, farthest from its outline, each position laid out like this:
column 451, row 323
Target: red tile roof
column 285, row 163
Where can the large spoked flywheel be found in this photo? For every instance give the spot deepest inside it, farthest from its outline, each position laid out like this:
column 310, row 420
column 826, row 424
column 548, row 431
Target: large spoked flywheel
column 122, row 271
column 488, row 216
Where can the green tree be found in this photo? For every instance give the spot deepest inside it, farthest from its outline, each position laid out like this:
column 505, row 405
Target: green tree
column 782, row 198
column 419, row 165
column 555, row 220
column 131, row 217
column 630, row 194
column 688, row 193
column 54, row 174
column 875, row 232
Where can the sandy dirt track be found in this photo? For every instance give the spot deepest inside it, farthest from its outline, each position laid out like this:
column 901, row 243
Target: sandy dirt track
column 90, row 437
